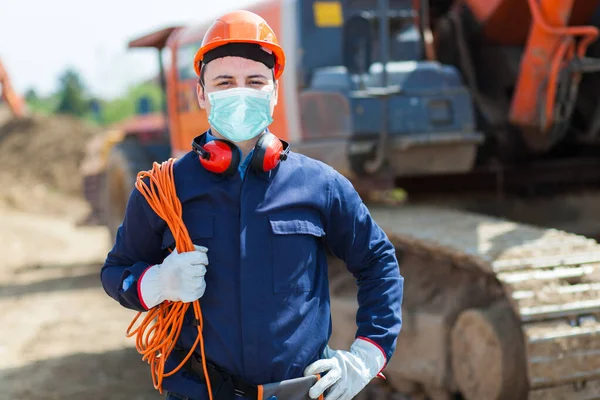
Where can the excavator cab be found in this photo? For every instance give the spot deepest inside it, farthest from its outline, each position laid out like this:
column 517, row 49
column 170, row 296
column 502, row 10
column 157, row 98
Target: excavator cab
column 398, row 113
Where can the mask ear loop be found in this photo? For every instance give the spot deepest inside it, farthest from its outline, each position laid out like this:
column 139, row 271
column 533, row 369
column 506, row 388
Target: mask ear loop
column 275, row 83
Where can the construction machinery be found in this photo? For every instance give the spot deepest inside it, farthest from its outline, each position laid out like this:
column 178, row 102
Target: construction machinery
column 15, row 104
column 484, row 111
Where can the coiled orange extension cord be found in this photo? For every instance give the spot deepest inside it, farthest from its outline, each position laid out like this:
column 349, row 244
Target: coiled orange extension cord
column 155, row 342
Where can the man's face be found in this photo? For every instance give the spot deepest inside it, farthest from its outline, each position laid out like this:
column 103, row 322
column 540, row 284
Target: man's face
column 235, row 72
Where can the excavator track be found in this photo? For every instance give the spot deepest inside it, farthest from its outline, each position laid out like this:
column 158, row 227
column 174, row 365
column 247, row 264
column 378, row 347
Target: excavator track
column 550, row 278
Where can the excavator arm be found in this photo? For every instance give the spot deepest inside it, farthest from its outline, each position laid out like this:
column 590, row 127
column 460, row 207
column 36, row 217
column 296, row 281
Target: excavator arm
column 10, row 97
column 551, row 68
column 536, row 49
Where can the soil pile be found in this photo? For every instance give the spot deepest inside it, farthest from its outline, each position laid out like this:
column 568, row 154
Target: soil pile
column 40, row 158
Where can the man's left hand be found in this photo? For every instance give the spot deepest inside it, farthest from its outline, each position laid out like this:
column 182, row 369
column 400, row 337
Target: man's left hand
column 348, row 372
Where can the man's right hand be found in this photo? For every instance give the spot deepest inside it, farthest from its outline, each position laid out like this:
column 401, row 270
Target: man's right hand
column 179, row 278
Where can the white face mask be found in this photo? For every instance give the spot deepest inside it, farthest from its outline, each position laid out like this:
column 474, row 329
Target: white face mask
column 240, row 114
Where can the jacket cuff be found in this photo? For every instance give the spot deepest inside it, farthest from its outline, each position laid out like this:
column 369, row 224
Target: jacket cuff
column 139, row 288
column 375, row 353
column 131, row 296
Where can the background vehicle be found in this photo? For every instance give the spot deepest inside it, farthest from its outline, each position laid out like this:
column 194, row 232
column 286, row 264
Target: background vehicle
column 8, row 95
column 480, row 103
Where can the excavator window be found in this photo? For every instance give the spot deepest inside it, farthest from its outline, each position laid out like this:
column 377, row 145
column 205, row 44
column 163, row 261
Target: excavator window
column 404, row 34
column 185, row 60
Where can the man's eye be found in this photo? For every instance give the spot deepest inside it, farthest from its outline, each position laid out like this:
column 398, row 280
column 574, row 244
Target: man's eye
column 223, row 83
column 256, row 83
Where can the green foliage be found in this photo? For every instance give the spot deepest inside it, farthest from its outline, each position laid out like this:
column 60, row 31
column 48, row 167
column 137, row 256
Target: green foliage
column 126, row 106
column 41, row 105
column 31, row 96
column 73, row 98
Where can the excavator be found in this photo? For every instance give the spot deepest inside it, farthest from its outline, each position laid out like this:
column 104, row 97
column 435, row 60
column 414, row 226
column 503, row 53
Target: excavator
column 487, row 113
column 8, row 94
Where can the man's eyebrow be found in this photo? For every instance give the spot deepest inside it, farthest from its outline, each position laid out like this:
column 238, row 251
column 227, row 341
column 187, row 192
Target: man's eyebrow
column 248, row 77
column 257, row 76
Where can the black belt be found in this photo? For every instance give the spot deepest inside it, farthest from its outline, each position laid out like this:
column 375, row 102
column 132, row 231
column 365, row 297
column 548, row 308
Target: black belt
column 224, row 384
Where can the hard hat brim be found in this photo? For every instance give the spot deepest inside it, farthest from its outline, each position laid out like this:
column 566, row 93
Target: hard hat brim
column 276, row 49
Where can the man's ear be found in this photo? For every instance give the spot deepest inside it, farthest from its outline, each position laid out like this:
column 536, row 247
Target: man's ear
column 201, row 96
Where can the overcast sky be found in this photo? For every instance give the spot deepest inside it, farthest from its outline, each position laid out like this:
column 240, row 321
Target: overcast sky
column 40, row 38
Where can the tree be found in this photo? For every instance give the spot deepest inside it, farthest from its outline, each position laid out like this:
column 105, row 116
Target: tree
column 40, row 104
column 140, row 98
column 31, row 96
column 72, row 94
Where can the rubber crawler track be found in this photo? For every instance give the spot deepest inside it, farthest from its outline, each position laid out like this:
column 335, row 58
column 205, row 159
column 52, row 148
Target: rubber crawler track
column 551, row 279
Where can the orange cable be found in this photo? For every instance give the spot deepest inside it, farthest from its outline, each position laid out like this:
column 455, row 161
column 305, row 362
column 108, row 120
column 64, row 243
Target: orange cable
column 155, row 342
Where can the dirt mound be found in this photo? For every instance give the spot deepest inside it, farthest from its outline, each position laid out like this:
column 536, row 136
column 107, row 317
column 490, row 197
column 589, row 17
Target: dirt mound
column 39, row 162
column 5, row 113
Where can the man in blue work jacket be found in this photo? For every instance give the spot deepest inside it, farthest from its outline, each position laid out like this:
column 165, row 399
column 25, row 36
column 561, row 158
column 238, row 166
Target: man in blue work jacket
column 266, row 226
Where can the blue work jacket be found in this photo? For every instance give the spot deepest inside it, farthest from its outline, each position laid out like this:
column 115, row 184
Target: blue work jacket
column 266, row 306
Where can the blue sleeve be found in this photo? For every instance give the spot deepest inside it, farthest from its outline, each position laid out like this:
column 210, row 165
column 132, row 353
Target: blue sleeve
column 137, row 246
column 353, row 236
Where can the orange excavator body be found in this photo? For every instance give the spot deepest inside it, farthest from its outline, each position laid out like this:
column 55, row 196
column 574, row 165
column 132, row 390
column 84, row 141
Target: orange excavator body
column 552, row 38
column 15, row 103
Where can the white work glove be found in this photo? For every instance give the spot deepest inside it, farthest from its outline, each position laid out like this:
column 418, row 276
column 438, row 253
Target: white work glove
column 347, row 372
column 179, row 278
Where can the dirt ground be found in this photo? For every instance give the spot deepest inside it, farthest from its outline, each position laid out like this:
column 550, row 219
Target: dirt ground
column 61, row 336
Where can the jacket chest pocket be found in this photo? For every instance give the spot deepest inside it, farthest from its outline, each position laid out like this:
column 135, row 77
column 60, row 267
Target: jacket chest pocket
column 200, row 232
column 295, row 242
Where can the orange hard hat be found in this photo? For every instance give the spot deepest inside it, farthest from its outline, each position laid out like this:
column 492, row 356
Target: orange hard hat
column 241, row 27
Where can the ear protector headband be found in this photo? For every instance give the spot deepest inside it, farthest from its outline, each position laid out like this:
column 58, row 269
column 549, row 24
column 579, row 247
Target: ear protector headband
column 223, row 157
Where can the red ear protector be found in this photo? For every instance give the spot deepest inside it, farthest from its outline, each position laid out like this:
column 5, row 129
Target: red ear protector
column 223, row 157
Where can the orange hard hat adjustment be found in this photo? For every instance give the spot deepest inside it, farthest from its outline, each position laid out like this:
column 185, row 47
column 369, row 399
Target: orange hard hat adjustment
column 241, row 27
